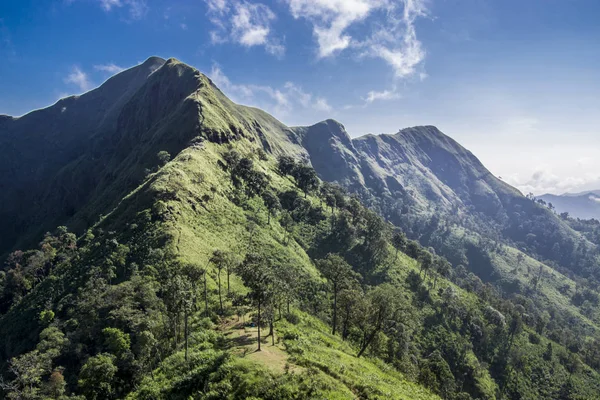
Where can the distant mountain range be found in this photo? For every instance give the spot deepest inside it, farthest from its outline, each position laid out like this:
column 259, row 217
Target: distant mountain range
column 585, row 205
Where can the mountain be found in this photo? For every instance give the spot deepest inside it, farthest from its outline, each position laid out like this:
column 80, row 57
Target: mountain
column 596, row 192
column 420, row 177
column 177, row 217
column 584, row 205
column 79, row 157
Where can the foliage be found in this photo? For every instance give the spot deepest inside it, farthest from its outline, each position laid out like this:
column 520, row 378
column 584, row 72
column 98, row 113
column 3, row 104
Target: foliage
column 141, row 299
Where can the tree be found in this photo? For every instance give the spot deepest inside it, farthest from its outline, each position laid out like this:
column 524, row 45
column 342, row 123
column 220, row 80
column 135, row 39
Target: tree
column 178, row 298
column 426, row 260
column 232, row 158
column 256, row 183
column 272, row 203
column 256, row 273
column 330, row 201
column 348, row 301
column 287, row 222
column 286, row 165
column 243, row 174
column 97, row 377
column 399, row 242
column 548, row 353
column 306, row 178
column 116, row 341
column 29, row 368
column 340, row 275
column 374, row 249
column 221, row 260
column 163, row 157
column 442, row 268
column 436, row 375
column 56, row 385
column 413, row 250
column 377, row 310
column 194, row 273
column 355, row 209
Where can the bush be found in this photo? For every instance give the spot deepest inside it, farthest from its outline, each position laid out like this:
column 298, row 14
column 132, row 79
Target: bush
column 163, row 157
column 292, row 318
column 533, row 338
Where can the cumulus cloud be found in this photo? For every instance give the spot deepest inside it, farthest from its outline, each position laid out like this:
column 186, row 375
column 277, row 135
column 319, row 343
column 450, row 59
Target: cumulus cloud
column 79, row 78
column 543, row 180
column 109, row 68
column 279, row 101
column 390, row 34
column 331, row 19
column 244, row 23
column 383, row 95
column 594, row 198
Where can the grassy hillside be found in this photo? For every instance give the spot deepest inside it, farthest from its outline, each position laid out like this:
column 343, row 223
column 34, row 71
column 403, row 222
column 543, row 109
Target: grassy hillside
column 185, row 213
column 124, row 275
column 195, row 225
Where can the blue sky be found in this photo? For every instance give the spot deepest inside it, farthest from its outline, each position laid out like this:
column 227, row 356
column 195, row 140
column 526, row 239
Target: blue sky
column 516, row 82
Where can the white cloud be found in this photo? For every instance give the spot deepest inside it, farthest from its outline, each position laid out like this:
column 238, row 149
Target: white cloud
column 184, row 27
column 218, row 6
column 322, row 105
column 245, row 23
column 250, row 23
column 391, row 34
column 331, row 18
column 110, row 68
column 544, row 180
column 137, row 8
column 278, row 101
column 594, row 198
column 109, row 4
column 80, row 79
column 383, row 95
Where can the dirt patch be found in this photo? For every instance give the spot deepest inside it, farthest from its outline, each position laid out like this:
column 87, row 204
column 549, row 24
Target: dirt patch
column 242, row 338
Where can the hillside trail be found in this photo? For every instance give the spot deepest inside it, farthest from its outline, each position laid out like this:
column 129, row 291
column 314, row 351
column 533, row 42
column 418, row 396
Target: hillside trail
column 242, row 337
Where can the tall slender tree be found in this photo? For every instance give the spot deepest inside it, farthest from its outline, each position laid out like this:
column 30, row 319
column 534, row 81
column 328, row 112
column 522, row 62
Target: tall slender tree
column 257, row 275
column 377, row 311
column 306, row 178
column 399, row 242
column 340, row 275
column 272, row 203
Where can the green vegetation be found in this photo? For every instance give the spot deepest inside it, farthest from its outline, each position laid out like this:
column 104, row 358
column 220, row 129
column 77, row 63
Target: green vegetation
column 155, row 293
column 215, row 264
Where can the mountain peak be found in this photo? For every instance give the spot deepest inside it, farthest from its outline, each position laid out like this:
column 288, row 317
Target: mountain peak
column 427, row 130
column 330, row 129
column 154, row 60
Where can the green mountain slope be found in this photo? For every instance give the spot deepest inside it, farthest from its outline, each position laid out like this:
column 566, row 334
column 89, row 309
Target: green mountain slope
column 441, row 194
column 70, row 162
column 139, row 305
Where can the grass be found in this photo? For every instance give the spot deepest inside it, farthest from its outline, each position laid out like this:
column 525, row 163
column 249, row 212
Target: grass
column 199, row 217
column 311, row 346
column 243, row 340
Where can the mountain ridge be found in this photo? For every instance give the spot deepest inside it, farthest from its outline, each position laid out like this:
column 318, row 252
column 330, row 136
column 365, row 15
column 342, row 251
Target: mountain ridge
column 173, row 170
column 585, row 205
